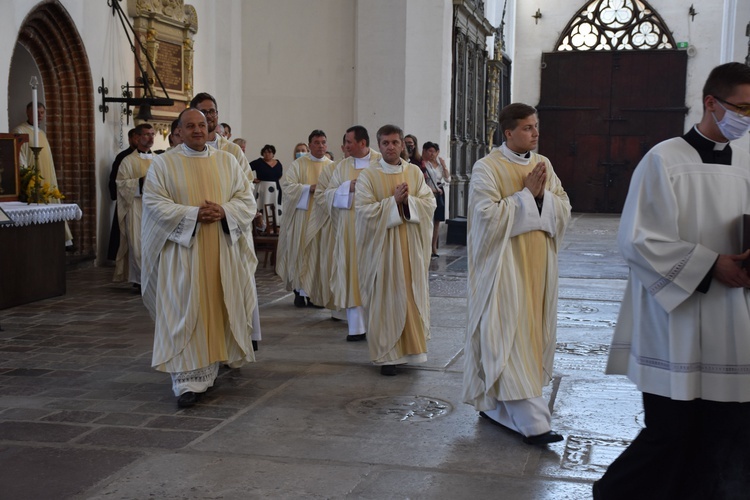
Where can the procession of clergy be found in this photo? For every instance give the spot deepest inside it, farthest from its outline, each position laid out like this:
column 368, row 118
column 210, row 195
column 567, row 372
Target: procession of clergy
column 355, row 237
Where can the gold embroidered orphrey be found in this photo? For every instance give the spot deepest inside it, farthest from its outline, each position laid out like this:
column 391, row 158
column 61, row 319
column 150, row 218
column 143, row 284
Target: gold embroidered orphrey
column 166, row 28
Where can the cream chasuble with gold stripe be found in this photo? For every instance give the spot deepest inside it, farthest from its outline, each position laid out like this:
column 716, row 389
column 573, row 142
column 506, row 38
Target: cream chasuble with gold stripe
column 129, row 210
column 199, row 289
column 317, row 247
column 295, row 185
column 512, row 289
column 393, row 255
column 344, row 273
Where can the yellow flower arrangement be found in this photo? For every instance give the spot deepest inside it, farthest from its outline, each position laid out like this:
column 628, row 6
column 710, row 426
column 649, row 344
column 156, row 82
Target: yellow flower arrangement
column 35, row 190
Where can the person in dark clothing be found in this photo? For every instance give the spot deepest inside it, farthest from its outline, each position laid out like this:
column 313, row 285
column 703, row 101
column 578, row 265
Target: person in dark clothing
column 114, row 234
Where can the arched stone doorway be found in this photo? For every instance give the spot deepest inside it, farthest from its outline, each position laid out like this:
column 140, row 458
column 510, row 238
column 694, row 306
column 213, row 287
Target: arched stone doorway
column 49, row 35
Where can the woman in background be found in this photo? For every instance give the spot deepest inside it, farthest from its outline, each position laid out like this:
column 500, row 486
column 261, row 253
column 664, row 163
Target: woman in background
column 268, row 171
column 437, row 175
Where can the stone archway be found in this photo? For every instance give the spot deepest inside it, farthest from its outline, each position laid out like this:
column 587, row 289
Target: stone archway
column 50, row 36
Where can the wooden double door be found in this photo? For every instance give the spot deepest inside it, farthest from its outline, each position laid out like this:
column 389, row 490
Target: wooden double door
column 600, row 112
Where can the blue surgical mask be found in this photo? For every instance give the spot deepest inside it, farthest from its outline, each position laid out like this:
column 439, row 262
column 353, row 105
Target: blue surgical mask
column 734, row 125
column 298, row 154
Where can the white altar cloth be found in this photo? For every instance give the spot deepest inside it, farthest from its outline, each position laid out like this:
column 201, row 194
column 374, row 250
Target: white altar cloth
column 24, row 214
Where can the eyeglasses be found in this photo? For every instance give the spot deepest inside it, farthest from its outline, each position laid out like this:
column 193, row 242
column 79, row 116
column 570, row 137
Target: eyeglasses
column 209, row 112
column 744, row 109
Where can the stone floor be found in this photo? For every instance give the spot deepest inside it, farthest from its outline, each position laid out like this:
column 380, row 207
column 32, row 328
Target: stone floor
column 83, row 415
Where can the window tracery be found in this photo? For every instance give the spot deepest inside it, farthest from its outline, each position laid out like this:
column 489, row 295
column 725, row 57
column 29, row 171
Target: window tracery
column 616, row 25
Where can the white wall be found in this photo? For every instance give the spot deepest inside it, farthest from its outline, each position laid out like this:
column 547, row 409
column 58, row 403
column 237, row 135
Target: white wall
column 297, row 73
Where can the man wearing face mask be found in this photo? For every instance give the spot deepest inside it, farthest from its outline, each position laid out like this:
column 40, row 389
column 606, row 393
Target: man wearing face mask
column 683, row 335
column 299, row 183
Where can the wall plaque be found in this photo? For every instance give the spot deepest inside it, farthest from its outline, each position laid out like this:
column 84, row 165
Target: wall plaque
column 166, row 29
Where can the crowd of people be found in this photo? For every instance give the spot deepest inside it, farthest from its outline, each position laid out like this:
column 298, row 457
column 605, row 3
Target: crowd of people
column 356, row 236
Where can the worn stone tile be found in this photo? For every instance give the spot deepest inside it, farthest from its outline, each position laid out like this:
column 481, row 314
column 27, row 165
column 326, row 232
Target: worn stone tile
column 125, row 419
column 40, row 432
column 156, row 407
column 114, row 406
column 24, row 413
column 184, row 423
column 26, row 372
column 69, row 404
column 128, row 437
column 209, row 411
column 20, row 391
column 45, row 472
column 73, row 416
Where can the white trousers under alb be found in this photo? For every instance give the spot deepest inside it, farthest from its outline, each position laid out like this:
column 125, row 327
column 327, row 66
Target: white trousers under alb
column 357, row 320
column 530, row 417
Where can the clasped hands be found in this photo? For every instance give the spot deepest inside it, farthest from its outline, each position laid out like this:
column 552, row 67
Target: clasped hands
column 536, row 180
column 210, row 212
column 401, row 193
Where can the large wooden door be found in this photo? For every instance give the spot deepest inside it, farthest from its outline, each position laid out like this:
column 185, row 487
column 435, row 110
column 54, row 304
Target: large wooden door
column 600, row 112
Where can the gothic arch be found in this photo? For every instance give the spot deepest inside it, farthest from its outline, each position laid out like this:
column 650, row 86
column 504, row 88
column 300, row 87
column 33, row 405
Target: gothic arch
column 50, row 36
column 615, row 25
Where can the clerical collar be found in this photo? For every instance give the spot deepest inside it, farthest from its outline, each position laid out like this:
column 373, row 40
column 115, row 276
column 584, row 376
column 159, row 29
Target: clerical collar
column 521, row 159
column 718, row 146
column 313, row 158
column 192, row 152
column 710, row 151
column 391, row 169
column 360, row 163
column 145, row 156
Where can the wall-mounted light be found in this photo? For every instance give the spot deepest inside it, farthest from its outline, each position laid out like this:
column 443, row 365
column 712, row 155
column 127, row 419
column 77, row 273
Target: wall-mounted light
column 537, row 16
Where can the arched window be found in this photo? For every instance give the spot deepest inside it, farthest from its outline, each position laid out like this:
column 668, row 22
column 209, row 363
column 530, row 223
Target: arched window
column 616, row 25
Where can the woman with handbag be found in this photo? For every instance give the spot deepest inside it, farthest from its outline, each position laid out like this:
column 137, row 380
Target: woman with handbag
column 437, row 175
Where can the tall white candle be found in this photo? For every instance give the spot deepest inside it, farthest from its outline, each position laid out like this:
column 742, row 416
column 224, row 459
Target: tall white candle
column 35, row 111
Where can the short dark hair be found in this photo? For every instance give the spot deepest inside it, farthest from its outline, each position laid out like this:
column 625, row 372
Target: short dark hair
column 390, row 130
column 39, row 104
column 175, row 124
column 131, row 133
column 431, row 145
column 360, row 133
column 140, row 128
column 510, row 115
column 723, row 79
column 316, row 133
column 227, row 127
column 203, row 96
column 268, row 147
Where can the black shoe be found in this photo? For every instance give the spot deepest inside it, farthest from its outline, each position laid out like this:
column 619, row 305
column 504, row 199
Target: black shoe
column 299, row 300
column 310, row 304
column 357, row 338
column 388, row 370
column 541, row 439
column 435, row 256
column 186, row 400
column 255, row 345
